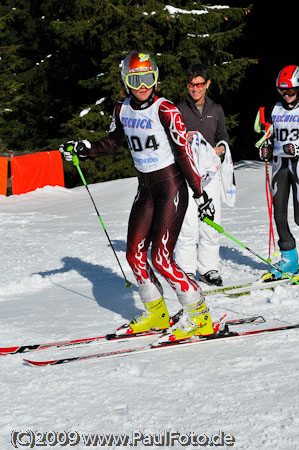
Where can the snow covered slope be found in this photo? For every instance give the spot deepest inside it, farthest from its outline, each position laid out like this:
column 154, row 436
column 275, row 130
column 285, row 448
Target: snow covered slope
column 59, row 279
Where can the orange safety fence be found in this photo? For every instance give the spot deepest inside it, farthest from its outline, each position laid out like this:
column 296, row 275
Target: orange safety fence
column 3, row 175
column 36, row 170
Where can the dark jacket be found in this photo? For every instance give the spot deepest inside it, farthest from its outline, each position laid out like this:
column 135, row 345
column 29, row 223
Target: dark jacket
column 211, row 124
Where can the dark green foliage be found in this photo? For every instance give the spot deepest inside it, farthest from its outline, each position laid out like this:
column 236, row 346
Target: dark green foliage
column 61, row 58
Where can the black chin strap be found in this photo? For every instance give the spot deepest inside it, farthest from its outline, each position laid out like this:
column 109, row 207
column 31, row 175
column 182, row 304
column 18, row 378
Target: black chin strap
column 137, row 104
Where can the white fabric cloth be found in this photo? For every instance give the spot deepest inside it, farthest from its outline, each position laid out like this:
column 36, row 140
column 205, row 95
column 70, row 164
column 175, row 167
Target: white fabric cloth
column 227, row 185
column 206, row 160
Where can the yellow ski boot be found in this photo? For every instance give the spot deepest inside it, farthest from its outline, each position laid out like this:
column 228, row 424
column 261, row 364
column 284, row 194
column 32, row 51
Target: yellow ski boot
column 195, row 320
column 156, row 317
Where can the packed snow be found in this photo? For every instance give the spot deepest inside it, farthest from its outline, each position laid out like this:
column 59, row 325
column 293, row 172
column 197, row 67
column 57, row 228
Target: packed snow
column 60, row 280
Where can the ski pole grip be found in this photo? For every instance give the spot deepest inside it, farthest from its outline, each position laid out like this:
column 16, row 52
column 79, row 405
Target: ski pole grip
column 213, row 224
column 259, row 143
column 70, row 149
column 75, row 160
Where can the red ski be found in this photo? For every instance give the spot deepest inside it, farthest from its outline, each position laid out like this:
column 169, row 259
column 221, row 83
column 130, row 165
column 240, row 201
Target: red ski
column 225, row 335
column 104, row 339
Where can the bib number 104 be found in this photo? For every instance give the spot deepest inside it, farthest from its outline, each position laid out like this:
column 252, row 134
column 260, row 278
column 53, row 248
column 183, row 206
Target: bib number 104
column 135, row 143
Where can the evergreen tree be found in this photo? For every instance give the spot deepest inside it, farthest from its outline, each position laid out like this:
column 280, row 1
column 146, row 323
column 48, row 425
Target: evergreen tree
column 62, row 66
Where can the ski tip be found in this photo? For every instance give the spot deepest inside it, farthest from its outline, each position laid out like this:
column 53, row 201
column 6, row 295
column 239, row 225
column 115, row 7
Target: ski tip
column 38, row 363
column 128, row 284
column 8, row 350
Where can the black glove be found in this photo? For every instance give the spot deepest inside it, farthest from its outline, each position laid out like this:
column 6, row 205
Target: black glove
column 205, row 206
column 79, row 148
column 265, row 151
column 291, row 149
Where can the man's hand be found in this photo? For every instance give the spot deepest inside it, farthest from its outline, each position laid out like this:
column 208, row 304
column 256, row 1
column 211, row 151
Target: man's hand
column 190, row 135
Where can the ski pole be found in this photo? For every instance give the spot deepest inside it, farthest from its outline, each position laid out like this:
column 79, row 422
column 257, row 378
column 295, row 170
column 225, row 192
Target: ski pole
column 76, row 164
column 260, row 125
column 220, row 230
column 270, row 209
column 267, row 127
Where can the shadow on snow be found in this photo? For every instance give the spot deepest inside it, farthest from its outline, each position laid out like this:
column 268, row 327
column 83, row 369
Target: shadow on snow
column 236, row 256
column 108, row 288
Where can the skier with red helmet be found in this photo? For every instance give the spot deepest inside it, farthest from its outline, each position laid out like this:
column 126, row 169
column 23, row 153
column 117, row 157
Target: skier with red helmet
column 156, row 135
column 284, row 120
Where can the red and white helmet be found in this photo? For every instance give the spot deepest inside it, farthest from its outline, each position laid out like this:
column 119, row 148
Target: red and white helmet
column 139, row 69
column 288, row 77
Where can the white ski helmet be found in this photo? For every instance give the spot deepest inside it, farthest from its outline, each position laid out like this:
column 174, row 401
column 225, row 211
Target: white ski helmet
column 139, row 69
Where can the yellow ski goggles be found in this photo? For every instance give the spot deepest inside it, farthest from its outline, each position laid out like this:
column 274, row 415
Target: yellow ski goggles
column 136, row 80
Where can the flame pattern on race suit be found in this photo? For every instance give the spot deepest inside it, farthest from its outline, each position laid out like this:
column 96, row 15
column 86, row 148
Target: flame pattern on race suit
column 175, row 276
column 176, row 200
column 149, row 286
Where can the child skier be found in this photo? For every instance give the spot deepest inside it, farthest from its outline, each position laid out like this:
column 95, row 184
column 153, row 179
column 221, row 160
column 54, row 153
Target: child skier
column 163, row 158
column 284, row 118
